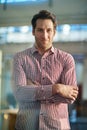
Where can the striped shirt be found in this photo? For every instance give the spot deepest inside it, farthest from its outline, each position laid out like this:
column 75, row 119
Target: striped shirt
column 38, row 108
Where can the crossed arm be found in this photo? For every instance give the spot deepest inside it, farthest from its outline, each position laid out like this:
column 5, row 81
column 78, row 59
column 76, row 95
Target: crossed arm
column 26, row 90
column 53, row 93
column 64, row 91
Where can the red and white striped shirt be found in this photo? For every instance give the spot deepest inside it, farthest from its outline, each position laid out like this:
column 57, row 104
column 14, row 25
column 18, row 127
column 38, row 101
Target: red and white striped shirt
column 38, row 108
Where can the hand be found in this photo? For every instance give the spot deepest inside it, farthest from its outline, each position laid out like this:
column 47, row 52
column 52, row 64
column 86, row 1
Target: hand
column 66, row 91
column 30, row 82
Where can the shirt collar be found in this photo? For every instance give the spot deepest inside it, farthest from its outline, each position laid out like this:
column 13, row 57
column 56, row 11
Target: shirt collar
column 34, row 49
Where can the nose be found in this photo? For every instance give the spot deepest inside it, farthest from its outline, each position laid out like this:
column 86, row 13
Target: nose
column 45, row 34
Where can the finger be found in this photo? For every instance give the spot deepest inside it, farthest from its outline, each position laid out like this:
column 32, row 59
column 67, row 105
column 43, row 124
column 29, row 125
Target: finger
column 75, row 92
column 75, row 95
column 72, row 97
column 75, row 88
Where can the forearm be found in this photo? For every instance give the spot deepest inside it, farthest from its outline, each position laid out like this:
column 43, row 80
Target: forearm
column 67, row 92
column 59, row 99
column 53, row 93
column 31, row 93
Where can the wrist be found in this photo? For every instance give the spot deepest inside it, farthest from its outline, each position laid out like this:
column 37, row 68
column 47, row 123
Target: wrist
column 55, row 89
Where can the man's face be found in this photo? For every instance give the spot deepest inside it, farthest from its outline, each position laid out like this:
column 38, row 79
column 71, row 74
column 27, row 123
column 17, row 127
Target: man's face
column 44, row 33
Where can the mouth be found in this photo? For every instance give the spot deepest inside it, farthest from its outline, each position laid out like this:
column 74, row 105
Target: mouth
column 43, row 40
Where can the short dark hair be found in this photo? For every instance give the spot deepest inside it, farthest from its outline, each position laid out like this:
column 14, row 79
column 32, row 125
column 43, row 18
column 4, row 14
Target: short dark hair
column 44, row 14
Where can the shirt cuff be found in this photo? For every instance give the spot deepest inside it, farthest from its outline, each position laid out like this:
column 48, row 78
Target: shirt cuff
column 44, row 92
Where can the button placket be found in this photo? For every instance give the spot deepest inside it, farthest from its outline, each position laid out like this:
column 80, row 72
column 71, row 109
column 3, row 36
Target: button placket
column 42, row 70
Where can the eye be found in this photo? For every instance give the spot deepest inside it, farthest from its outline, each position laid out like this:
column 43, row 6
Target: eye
column 49, row 30
column 39, row 30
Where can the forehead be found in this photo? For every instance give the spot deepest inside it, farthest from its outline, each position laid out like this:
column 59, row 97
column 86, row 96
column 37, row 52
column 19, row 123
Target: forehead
column 42, row 23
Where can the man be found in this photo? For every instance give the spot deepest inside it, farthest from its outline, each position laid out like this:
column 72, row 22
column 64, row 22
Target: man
column 45, row 80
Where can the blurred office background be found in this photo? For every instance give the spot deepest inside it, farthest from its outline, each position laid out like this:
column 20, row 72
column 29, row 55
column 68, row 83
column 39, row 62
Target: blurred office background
column 16, row 35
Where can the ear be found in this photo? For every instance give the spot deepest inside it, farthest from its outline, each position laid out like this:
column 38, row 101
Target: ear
column 54, row 32
column 33, row 32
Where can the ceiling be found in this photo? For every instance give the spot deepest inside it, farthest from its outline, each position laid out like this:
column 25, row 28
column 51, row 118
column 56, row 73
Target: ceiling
column 67, row 11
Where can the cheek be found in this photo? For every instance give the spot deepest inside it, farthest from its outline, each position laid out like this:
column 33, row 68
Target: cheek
column 51, row 36
column 36, row 34
column 37, row 37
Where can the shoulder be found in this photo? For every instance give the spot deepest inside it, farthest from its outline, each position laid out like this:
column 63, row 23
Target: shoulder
column 64, row 56
column 20, row 57
column 23, row 53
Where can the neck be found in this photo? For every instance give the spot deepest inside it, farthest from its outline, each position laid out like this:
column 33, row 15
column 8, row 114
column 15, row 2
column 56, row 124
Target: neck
column 42, row 50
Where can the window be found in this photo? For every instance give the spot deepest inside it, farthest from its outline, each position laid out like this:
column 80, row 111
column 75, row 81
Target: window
column 17, row 1
column 64, row 33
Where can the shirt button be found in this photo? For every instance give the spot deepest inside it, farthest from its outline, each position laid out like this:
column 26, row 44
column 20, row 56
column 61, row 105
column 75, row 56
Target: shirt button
column 42, row 89
column 44, row 97
column 43, row 67
column 43, row 78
